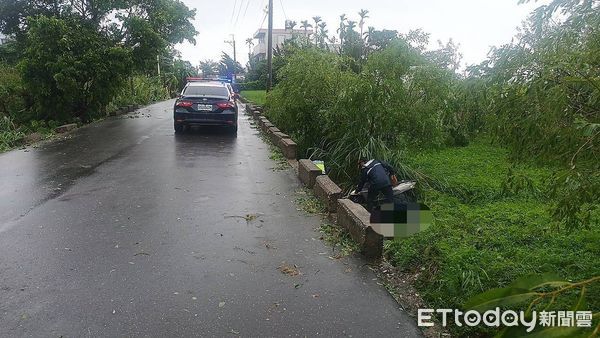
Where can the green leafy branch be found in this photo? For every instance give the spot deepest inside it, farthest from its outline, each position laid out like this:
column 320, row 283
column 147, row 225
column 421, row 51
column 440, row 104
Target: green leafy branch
column 536, row 289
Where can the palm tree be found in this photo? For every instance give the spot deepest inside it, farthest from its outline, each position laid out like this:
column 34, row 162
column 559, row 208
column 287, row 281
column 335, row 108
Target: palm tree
column 342, row 28
column 290, row 24
column 208, row 67
column 316, row 19
column 322, row 33
column 305, row 25
column 350, row 26
column 250, row 43
column 227, row 66
column 369, row 33
column 363, row 15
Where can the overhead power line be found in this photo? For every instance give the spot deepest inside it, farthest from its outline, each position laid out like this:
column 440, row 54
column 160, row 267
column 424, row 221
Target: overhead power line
column 233, row 13
column 263, row 19
column 245, row 10
column 283, row 10
column 238, row 14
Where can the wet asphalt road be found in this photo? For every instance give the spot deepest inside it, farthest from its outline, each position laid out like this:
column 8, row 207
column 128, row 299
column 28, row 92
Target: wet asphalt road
column 125, row 229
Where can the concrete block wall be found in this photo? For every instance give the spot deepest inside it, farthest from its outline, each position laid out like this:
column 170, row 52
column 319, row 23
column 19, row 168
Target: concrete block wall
column 273, row 130
column 355, row 218
column 276, row 136
column 327, row 191
column 288, row 147
column 308, row 172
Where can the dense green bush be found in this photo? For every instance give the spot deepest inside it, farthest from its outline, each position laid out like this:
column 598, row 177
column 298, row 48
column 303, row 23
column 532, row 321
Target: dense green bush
column 12, row 101
column 257, row 71
column 140, row 89
column 70, row 69
column 309, row 86
column 251, row 85
column 398, row 100
column 545, row 87
column 10, row 133
column 399, row 95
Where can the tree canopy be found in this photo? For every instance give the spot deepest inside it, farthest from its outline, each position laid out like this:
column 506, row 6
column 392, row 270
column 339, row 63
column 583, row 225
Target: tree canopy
column 74, row 56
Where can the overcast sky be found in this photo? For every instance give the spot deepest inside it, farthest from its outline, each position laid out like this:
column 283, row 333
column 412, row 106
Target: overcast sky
column 475, row 24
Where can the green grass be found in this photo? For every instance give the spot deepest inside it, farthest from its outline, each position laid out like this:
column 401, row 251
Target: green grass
column 486, row 233
column 339, row 239
column 309, row 203
column 478, row 173
column 256, row 96
column 14, row 135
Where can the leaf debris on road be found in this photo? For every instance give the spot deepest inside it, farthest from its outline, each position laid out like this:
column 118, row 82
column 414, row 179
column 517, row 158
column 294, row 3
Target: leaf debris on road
column 248, row 217
column 289, row 270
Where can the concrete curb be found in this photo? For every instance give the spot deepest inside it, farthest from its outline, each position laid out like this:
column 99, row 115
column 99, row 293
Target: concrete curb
column 355, row 218
column 124, row 110
column 288, row 148
column 273, row 130
column 266, row 124
column 308, row 172
column 276, row 136
column 65, row 128
column 327, row 191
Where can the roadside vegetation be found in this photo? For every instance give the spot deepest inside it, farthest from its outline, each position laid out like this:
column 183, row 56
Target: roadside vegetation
column 505, row 152
column 68, row 63
column 256, row 96
column 492, row 225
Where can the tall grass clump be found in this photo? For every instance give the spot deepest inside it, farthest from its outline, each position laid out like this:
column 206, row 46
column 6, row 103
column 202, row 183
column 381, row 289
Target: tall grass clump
column 10, row 134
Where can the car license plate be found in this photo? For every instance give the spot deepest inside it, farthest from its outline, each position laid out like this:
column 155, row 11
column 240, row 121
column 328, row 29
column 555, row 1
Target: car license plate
column 205, row 107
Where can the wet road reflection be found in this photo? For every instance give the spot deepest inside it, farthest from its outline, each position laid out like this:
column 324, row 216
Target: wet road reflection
column 126, row 229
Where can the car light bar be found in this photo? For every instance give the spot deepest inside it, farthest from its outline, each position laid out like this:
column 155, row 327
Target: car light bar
column 205, row 79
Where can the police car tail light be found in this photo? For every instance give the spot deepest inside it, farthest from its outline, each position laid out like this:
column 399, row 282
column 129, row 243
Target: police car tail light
column 184, row 104
column 225, row 105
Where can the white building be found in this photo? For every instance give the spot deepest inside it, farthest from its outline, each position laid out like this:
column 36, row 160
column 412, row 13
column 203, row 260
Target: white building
column 3, row 39
column 279, row 37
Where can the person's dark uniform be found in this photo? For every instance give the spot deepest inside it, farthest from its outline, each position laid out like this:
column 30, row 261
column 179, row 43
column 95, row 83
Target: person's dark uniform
column 377, row 173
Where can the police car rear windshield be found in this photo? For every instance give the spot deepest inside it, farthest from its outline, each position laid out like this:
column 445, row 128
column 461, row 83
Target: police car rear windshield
column 206, row 91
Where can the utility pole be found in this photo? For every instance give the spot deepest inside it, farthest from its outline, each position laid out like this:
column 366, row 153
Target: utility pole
column 232, row 43
column 158, row 64
column 270, row 48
